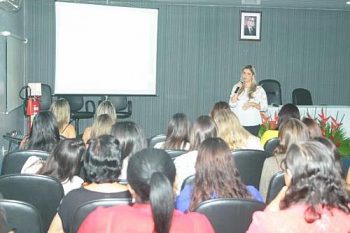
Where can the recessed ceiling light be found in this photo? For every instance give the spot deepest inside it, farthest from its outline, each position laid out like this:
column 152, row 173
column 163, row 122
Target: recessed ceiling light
column 348, row 2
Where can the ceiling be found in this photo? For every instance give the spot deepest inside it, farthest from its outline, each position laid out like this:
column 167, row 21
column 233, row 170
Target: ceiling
column 294, row 4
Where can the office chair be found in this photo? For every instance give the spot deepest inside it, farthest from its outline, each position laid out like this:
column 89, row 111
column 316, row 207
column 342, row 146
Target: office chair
column 188, row 181
column 175, row 153
column 46, row 97
column 275, row 186
column 155, row 139
column 122, row 106
column 270, row 146
column 228, row 215
column 301, row 96
column 273, row 91
column 249, row 164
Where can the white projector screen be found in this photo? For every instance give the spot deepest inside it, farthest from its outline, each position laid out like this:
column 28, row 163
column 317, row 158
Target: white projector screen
column 105, row 49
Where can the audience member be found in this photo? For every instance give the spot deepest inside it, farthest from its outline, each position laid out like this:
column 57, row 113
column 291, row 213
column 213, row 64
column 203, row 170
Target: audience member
column 233, row 133
column 44, row 134
column 105, row 107
column 61, row 110
column 314, row 128
column 314, row 200
column 287, row 111
column 291, row 131
column 151, row 176
column 131, row 138
column 204, row 127
column 102, row 164
column 177, row 134
column 218, row 106
column 102, row 125
column 214, row 167
column 247, row 99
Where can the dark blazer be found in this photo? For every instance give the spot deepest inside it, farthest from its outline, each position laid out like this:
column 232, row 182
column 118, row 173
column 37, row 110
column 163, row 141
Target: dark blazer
column 249, row 33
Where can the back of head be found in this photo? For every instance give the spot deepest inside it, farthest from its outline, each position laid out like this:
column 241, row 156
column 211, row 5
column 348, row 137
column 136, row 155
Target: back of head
column 204, row 127
column 44, row 134
column 332, row 147
column 65, row 160
column 151, row 174
column 130, row 136
column 291, row 131
column 177, row 132
column 314, row 128
column 106, row 107
column 315, row 180
column 102, row 125
column 216, row 173
column 288, row 111
column 102, row 162
column 221, row 105
column 61, row 110
column 231, row 130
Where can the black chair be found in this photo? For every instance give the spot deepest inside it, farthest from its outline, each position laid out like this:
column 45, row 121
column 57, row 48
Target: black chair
column 76, row 103
column 122, row 105
column 14, row 161
column 249, row 164
column 270, row 146
column 228, row 215
column 275, row 186
column 46, row 97
column 155, row 139
column 273, row 91
column 43, row 192
column 301, row 96
column 22, row 216
column 175, row 153
column 82, row 211
column 188, row 181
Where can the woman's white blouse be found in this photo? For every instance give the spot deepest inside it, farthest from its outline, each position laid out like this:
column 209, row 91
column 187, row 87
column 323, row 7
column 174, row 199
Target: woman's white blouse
column 250, row 116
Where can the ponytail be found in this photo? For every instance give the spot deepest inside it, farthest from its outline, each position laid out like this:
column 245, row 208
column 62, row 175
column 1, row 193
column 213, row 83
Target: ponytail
column 162, row 202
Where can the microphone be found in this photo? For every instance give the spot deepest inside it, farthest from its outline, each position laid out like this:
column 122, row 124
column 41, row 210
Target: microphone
column 237, row 88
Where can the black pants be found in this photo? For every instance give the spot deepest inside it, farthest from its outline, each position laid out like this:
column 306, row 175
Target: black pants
column 253, row 129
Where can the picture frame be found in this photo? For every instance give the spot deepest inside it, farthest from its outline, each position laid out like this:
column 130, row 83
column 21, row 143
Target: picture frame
column 250, row 25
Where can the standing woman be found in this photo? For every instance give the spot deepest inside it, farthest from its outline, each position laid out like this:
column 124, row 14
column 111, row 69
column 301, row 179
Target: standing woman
column 61, row 109
column 247, row 99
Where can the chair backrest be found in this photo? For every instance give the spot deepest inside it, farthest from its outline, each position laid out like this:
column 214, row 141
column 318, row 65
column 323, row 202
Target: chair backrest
column 122, row 105
column 249, row 164
column 275, row 186
column 229, row 215
column 82, row 211
column 155, row 139
column 270, row 146
column 43, row 192
column 175, row 153
column 22, row 216
column 46, row 97
column 76, row 102
column 14, row 161
column 188, row 181
column 301, row 96
column 273, row 91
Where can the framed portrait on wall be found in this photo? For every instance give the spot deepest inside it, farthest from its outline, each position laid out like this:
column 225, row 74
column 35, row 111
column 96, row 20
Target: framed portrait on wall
column 250, row 26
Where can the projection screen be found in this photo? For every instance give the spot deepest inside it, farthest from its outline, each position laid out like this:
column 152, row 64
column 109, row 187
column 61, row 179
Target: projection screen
column 105, row 49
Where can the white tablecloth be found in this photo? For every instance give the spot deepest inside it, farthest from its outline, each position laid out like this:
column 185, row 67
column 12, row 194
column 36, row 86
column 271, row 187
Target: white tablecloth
column 338, row 112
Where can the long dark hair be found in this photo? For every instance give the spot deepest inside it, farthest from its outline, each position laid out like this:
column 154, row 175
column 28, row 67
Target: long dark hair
column 151, row 174
column 204, row 127
column 288, row 111
column 44, row 134
column 65, row 160
column 177, row 132
column 315, row 181
column 216, row 174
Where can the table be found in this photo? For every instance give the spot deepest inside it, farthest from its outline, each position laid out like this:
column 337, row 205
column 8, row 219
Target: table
column 338, row 112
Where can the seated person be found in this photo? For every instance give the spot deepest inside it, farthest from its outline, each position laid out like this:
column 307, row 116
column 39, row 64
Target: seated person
column 287, row 111
column 314, row 128
column 105, row 107
column 214, row 167
column 102, row 125
column 151, row 176
column 61, row 110
column 102, row 164
column 314, row 198
column 218, row 106
column 177, row 134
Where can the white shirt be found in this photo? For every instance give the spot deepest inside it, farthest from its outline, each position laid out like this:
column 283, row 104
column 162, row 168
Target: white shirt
column 185, row 166
column 250, row 116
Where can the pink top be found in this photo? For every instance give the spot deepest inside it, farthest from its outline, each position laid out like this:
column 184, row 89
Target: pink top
column 291, row 220
column 138, row 219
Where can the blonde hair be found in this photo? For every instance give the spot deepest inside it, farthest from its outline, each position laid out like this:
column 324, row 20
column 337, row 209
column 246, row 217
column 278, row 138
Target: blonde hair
column 253, row 86
column 61, row 110
column 102, row 125
column 231, row 130
column 106, row 107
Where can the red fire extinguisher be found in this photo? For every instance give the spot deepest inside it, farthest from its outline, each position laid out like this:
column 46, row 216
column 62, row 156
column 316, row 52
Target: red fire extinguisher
column 33, row 106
